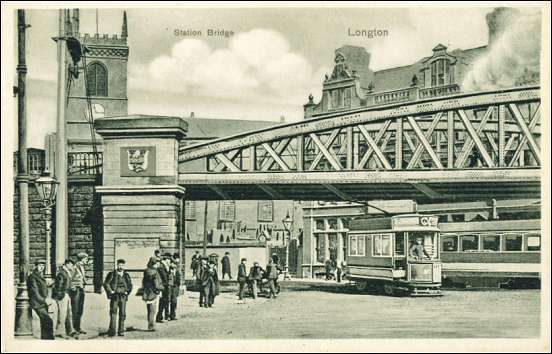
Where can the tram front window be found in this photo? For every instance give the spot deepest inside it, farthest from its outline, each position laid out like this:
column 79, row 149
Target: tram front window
column 422, row 245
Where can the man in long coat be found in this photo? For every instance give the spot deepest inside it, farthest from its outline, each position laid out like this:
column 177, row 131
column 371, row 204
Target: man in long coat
column 38, row 299
column 242, row 278
column 226, row 269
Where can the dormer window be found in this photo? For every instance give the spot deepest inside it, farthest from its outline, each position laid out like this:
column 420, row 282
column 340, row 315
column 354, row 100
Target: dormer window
column 438, row 70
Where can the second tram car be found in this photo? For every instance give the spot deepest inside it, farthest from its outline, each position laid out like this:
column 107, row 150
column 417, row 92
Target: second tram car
column 397, row 253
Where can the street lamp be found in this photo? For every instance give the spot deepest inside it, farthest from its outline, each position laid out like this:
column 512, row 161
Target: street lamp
column 47, row 190
column 287, row 226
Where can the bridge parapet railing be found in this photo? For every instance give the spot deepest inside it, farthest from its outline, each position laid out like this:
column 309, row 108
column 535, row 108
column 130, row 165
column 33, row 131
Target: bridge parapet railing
column 439, row 91
column 484, row 130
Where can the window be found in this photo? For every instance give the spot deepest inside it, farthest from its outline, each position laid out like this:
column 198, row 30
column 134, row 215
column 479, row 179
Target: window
column 440, row 70
column 513, row 242
column 344, row 243
column 320, row 224
column 335, row 99
column 265, row 211
column 332, row 224
column 190, row 210
column 381, row 245
column 491, row 243
column 469, row 243
column 333, row 246
column 347, row 101
column 533, row 242
column 227, row 210
column 356, row 245
column 96, row 79
column 320, row 249
column 450, row 243
column 399, row 244
column 458, row 217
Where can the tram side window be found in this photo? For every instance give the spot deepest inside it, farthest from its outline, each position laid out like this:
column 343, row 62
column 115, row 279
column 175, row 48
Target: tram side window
column 356, row 245
column 450, row 243
column 352, row 246
column 513, row 242
column 491, row 243
column 533, row 242
column 469, row 243
column 399, row 244
column 382, row 245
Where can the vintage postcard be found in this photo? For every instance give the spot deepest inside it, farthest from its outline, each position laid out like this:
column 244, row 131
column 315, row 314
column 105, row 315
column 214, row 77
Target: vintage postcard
column 276, row 177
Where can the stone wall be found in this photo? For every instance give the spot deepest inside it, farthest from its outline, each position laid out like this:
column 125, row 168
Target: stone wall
column 37, row 226
column 85, row 225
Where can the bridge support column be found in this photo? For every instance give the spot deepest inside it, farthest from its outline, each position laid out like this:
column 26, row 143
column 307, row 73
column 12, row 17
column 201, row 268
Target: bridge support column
column 142, row 202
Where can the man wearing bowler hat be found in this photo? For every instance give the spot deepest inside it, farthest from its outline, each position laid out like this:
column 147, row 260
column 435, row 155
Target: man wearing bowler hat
column 38, row 298
column 118, row 286
column 76, row 293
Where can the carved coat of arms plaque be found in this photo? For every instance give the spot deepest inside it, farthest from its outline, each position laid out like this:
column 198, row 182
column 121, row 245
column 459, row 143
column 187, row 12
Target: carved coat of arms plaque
column 137, row 161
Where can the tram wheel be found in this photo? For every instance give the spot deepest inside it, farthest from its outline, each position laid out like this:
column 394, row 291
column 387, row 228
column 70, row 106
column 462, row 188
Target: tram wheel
column 388, row 289
column 361, row 285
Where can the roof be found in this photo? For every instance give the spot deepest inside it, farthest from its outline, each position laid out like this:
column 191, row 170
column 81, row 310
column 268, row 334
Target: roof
column 401, row 77
column 395, row 78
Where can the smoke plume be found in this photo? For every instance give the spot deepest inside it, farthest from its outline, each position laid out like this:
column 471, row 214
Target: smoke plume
column 513, row 57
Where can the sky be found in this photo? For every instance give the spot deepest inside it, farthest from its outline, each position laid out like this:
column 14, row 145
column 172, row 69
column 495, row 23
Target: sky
column 275, row 58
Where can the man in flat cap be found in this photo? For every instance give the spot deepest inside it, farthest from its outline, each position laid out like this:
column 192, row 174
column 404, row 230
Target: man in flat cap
column 62, row 285
column 76, row 293
column 38, row 299
column 117, row 286
column 255, row 277
column 164, row 300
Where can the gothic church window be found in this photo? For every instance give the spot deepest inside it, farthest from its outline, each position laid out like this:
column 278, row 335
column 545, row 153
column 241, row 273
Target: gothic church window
column 96, row 76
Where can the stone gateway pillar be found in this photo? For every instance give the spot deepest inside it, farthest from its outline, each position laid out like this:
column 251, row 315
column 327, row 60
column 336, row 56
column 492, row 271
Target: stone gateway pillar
column 141, row 200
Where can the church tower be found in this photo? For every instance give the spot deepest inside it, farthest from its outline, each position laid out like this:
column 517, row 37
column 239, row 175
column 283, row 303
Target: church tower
column 103, row 67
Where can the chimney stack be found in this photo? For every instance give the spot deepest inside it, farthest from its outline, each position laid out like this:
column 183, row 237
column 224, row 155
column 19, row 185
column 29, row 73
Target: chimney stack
column 498, row 20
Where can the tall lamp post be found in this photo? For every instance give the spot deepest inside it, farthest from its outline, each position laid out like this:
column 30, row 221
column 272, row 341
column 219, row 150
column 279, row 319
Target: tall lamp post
column 47, row 190
column 23, row 317
column 288, row 222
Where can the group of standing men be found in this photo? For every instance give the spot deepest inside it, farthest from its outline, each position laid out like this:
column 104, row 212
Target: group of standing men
column 256, row 275
column 207, row 280
column 67, row 299
column 161, row 284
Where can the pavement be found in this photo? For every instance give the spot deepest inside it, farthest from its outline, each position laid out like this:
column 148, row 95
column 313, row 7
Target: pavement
column 307, row 309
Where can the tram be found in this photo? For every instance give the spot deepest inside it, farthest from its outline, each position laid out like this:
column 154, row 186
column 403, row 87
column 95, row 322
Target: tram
column 494, row 253
column 396, row 254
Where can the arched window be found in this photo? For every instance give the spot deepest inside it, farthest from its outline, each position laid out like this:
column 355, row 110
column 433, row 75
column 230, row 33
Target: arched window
column 96, row 76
